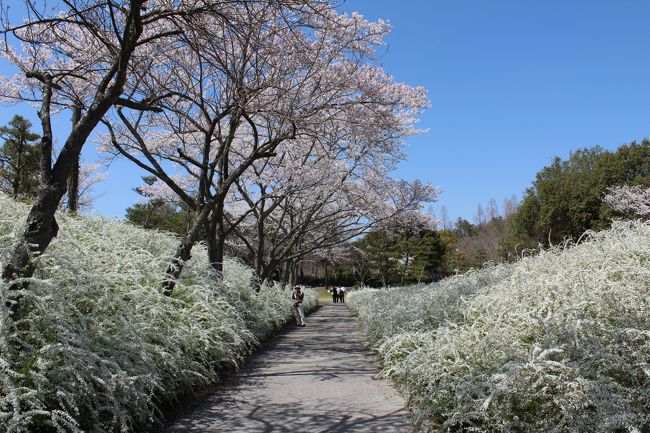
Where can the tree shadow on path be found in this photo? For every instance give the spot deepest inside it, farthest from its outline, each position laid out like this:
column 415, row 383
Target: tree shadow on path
column 313, row 379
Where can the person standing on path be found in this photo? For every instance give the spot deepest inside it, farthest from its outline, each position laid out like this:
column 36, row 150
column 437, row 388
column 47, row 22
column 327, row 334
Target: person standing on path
column 297, row 297
column 342, row 294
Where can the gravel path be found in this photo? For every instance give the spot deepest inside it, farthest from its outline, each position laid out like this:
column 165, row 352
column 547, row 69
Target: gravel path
column 313, row 379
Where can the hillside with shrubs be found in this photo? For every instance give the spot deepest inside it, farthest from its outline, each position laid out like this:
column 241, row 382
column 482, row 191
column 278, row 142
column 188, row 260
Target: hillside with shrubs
column 96, row 347
column 556, row 342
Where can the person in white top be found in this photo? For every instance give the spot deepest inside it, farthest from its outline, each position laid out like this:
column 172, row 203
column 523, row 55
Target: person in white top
column 297, row 297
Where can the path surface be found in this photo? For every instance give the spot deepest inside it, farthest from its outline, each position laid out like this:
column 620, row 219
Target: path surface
column 312, row 379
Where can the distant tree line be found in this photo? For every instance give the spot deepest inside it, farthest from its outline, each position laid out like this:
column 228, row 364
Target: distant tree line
column 566, row 199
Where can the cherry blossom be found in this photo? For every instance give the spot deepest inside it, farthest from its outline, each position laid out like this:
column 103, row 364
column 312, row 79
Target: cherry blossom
column 630, row 199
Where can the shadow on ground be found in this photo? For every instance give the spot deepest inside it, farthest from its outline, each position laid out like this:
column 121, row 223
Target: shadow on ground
column 313, row 379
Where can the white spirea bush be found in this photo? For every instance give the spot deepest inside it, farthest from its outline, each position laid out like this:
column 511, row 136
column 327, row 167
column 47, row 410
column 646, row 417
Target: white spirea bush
column 558, row 342
column 99, row 348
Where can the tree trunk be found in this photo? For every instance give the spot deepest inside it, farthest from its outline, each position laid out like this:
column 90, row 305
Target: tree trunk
column 15, row 186
column 268, row 270
column 285, row 273
column 73, row 181
column 19, row 171
column 327, row 275
column 173, row 271
column 183, row 251
column 293, row 272
column 41, row 225
column 46, row 137
column 216, row 239
column 259, row 252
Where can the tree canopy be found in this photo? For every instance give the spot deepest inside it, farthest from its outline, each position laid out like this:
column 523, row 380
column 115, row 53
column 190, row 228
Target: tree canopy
column 567, row 197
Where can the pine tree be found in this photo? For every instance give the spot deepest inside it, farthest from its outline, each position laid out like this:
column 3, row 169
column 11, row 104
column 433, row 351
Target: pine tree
column 19, row 159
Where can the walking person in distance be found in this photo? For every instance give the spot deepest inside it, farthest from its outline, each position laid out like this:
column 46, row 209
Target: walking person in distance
column 297, row 297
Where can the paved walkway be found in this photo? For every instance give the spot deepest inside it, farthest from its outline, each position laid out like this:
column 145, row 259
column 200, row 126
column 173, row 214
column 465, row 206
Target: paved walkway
column 312, row 379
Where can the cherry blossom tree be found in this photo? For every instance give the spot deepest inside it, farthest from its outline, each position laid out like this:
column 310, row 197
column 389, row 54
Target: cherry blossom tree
column 630, row 200
column 222, row 112
column 312, row 202
column 287, row 75
column 81, row 53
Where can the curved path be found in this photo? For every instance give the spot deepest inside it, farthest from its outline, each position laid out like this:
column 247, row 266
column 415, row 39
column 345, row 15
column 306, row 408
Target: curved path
column 313, row 379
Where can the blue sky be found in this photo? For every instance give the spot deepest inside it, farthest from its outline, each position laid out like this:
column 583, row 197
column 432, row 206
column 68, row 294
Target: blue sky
column 512, row 84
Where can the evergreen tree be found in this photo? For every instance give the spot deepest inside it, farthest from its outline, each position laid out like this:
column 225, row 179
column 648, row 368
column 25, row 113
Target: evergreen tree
column 156, row 213
column 566, row 198
column 19, row 159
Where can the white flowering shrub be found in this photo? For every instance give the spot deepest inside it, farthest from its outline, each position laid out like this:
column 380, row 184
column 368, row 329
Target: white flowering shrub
column 97, row 348
column 558, row 342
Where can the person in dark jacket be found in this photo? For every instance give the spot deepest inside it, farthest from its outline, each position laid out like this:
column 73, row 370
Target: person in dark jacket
column 335, row 295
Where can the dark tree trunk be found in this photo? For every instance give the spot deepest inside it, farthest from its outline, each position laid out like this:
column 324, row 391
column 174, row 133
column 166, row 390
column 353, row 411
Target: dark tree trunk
column 293, row 272
column 183, row 251
column 173, row 271
column 19, row 171
column 269, row 270
column 327, row 276
column 46, row 138
column 41, row 226
column 285, row 273
column 259, row 253
column 73, row 181
column 216, row 239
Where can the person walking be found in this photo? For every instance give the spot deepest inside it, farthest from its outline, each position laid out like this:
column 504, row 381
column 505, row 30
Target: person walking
column 335, row 295
column 297, row 297
column 342, row 294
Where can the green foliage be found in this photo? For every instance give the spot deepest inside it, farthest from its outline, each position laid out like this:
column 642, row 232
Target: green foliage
column 160, row 215
column 382, row 258
column 19, row 159
column 409, row 257
column 429, row 251
column 464, row 228
column 157, row 213
column 566, row 198
column 453, row 260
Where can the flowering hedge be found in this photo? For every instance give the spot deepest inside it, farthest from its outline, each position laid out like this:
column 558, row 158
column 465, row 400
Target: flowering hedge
column 99, row 349
column 558, row 342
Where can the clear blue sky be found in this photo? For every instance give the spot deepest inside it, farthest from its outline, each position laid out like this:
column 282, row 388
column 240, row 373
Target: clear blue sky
column 512, row 84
